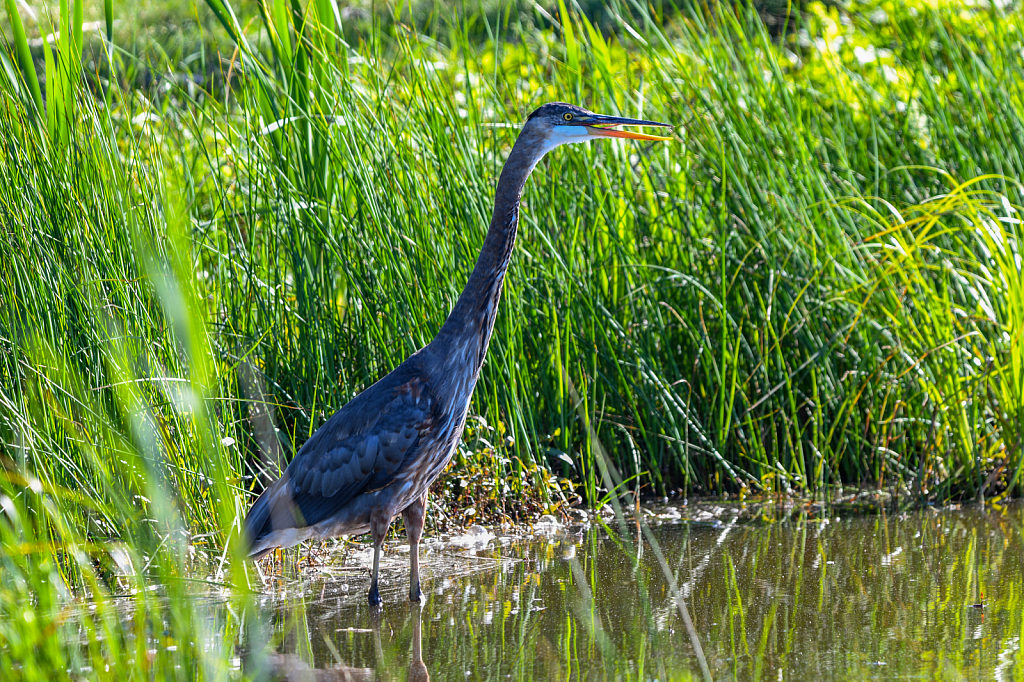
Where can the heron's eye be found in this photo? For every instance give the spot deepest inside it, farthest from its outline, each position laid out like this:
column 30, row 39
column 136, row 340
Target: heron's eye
column 567, row 116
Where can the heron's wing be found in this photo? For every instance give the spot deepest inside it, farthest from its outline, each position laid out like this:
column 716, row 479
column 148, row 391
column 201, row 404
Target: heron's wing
column 342, row 464
column 358, row 449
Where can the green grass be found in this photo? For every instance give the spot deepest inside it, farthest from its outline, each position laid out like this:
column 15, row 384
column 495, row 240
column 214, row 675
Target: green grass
column 817, row 284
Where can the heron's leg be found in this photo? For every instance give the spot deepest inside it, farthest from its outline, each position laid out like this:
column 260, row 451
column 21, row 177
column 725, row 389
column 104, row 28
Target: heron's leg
column 378, row 529
column 374, row 596
column 415, row 515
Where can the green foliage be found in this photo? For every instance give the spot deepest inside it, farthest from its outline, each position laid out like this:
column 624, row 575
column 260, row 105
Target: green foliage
column 63, row 71
column 24, row 54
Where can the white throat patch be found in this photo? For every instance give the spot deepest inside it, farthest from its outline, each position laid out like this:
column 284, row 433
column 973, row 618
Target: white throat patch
column 565, row 135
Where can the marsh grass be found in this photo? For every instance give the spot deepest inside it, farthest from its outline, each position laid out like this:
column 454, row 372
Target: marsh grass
column 816, row 285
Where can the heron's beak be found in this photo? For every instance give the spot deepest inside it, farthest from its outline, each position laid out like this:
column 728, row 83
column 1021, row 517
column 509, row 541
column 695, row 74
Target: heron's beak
column 604, row 126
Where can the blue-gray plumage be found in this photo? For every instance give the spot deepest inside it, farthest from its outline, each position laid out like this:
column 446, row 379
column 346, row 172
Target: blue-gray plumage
column 377, row 456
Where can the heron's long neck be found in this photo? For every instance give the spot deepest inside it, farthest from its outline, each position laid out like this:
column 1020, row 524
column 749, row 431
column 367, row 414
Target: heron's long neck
column 464, row 337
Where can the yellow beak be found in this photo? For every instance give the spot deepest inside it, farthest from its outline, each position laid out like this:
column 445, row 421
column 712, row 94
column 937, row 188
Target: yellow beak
column 628, row 134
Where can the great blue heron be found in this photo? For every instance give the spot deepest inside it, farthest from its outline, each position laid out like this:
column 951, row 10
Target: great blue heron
column 377, row 456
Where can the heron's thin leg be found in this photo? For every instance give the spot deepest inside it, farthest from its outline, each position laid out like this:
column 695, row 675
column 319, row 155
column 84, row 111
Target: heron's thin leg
column 415, row 515
column 378, row 529
column 374, row 595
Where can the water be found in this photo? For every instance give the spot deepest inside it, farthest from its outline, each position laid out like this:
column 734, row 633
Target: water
column 923, row 595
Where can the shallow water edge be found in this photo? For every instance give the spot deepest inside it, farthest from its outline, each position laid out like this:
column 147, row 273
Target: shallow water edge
column 926, row 594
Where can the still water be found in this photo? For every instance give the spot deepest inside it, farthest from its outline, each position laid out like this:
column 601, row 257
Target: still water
column 932, row 594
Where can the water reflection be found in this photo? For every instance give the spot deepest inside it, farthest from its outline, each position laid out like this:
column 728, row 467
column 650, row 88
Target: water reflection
column 926, row 595
column 290, row 667
column 418, row 669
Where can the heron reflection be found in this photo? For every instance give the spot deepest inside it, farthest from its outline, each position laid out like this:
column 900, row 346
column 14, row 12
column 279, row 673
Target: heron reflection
column 279, row 667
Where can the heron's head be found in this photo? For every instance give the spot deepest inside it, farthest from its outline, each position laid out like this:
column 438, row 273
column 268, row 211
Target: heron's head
column 559, row 123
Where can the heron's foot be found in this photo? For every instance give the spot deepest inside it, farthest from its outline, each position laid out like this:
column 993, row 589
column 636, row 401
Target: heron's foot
column 374, row 596
column 415, row 594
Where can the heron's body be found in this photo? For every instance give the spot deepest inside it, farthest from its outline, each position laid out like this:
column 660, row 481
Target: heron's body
column 377, row 456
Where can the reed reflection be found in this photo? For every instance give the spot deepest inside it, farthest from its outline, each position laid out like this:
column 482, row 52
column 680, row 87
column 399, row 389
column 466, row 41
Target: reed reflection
column 921, row 594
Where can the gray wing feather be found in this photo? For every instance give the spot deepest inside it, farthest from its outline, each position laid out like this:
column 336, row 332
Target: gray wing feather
column 358, row 449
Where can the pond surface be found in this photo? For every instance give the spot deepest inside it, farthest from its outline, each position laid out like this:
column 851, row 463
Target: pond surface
column 932, row 594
